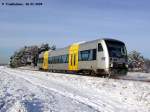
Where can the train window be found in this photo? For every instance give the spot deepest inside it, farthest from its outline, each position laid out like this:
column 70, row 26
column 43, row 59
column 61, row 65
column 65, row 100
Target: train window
column 100, row 48
column 40, row 60
column 85, row 55
column 54, row 59
column 58, row 59
column 50, row 60
column 94, row 54
column 63, row 59
column 67, row 58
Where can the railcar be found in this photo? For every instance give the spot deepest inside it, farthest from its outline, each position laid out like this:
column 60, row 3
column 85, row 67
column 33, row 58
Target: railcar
column 101, row 56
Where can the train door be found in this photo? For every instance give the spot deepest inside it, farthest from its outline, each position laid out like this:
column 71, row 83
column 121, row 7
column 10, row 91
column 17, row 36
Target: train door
column 73, row 57
column 101, row 58
column 45, row 60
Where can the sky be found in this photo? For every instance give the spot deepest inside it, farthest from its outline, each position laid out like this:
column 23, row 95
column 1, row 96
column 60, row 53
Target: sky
column 63, row 22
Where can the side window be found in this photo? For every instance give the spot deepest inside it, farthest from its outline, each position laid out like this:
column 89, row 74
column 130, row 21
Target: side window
column 64, row 60
column 41, row 60
column 54, row 59
column 67, row 58
column 100, row 48
column 50, row 60
column 85, row 55
column 94, row 54
column 60, row 59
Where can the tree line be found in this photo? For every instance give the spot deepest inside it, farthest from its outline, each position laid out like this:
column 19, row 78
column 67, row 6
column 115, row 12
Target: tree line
column 28, row 55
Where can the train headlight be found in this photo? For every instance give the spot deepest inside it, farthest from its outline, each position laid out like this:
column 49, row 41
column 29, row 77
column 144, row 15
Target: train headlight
column 126, row 65
column 111, row 65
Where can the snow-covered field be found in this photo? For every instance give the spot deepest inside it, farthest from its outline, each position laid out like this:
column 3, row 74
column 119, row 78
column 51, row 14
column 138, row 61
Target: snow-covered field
column 34, row 91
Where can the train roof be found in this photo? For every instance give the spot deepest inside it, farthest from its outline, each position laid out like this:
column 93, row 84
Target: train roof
column 85, row 42
column 110, row 39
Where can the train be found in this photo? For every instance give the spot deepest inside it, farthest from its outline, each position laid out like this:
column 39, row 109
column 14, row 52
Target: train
column 104, row 56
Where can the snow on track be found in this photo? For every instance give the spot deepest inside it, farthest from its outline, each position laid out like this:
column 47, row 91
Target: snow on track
column 136, row 76
column 43, row 91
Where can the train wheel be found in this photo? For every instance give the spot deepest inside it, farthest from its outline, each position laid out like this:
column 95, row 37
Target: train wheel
column 93, row 73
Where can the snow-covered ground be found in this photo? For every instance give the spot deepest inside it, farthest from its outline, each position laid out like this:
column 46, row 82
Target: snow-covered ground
column 34, row 91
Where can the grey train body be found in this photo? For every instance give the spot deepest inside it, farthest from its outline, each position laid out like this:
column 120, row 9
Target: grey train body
column 101, row 56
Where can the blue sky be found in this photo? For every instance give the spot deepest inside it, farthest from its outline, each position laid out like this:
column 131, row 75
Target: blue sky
column 62, row 22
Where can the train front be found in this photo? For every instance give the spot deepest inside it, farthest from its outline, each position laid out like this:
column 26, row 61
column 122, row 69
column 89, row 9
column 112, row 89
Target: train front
column 118, row 60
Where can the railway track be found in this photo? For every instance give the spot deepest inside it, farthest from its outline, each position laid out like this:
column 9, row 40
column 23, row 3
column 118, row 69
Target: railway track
column 129, row 78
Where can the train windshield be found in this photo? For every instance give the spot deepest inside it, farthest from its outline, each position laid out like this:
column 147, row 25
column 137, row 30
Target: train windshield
column 116, row 49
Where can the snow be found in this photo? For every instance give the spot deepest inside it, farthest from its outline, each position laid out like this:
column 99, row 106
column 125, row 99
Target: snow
column 23, row 90
column 137, row 76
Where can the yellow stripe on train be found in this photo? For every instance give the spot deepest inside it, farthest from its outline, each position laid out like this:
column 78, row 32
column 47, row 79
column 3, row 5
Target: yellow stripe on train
column 45, row 60
column 73, row 57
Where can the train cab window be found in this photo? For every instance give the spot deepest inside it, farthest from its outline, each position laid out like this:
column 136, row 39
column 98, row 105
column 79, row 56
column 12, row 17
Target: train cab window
column 100, row 48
